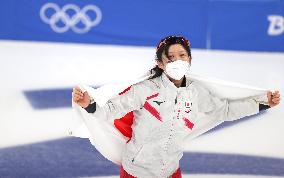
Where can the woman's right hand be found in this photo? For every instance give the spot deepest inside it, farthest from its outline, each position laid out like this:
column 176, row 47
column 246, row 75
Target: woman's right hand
column 82, row 99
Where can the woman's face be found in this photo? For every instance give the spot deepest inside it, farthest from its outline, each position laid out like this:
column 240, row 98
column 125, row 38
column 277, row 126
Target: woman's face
column 176, row 52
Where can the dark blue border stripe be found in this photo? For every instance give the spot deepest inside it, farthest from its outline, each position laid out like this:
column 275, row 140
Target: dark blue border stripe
column 49, row 98
column 75, row 157
column 210, row 163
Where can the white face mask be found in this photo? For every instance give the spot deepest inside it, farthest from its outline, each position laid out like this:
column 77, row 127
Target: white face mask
column 177, row 69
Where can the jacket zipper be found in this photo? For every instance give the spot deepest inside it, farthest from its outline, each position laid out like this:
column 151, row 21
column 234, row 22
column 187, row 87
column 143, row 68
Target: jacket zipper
column 176, row 98
column 133, row 159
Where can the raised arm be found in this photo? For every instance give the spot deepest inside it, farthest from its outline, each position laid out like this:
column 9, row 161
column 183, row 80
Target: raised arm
column 228, row 110
column 116, row 107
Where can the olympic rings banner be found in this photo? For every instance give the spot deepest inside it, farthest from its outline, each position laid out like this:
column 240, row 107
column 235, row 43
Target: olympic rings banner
column 209, row 24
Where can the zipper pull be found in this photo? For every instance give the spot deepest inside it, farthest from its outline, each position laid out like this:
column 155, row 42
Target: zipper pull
column 176, row 100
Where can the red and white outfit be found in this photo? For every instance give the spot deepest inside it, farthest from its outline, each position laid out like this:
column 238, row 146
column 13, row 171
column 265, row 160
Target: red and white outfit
column 165, row 117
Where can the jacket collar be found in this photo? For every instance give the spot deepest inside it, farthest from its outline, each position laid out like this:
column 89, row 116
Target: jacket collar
column 168, row 84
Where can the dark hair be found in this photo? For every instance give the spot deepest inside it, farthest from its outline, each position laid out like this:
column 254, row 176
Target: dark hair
column 163, row 47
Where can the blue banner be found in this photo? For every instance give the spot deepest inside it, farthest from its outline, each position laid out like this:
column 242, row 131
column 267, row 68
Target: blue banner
column 209, row 24
column 247, row 25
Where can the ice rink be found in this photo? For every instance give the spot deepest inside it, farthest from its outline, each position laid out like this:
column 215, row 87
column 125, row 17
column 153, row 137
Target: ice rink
column 35, row 110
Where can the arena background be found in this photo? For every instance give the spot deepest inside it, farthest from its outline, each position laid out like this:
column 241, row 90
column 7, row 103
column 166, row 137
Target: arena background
column 48, row 47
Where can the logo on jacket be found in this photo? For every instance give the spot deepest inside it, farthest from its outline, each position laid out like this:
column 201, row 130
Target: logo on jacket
column 188, row 107
column 71, row 17
column 159, row 102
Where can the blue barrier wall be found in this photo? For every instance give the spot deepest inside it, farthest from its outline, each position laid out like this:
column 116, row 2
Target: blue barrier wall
column 213, row 24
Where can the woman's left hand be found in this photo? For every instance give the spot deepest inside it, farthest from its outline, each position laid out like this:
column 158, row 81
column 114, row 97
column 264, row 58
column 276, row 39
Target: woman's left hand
column 273, row 98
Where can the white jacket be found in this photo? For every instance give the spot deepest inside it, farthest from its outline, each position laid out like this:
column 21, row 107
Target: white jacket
column 165, row 117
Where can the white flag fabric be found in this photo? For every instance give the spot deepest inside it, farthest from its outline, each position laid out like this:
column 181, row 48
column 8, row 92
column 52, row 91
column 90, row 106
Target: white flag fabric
column 109, row 141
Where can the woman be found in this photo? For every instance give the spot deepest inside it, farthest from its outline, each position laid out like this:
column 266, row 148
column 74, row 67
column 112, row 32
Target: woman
column 168, row 108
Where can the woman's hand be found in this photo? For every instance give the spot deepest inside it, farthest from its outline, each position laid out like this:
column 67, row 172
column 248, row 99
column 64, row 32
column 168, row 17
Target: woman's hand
column 83, row 99
column 273, row 98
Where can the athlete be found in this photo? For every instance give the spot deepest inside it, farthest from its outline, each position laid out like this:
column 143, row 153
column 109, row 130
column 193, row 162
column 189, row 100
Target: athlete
column 167, row 109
